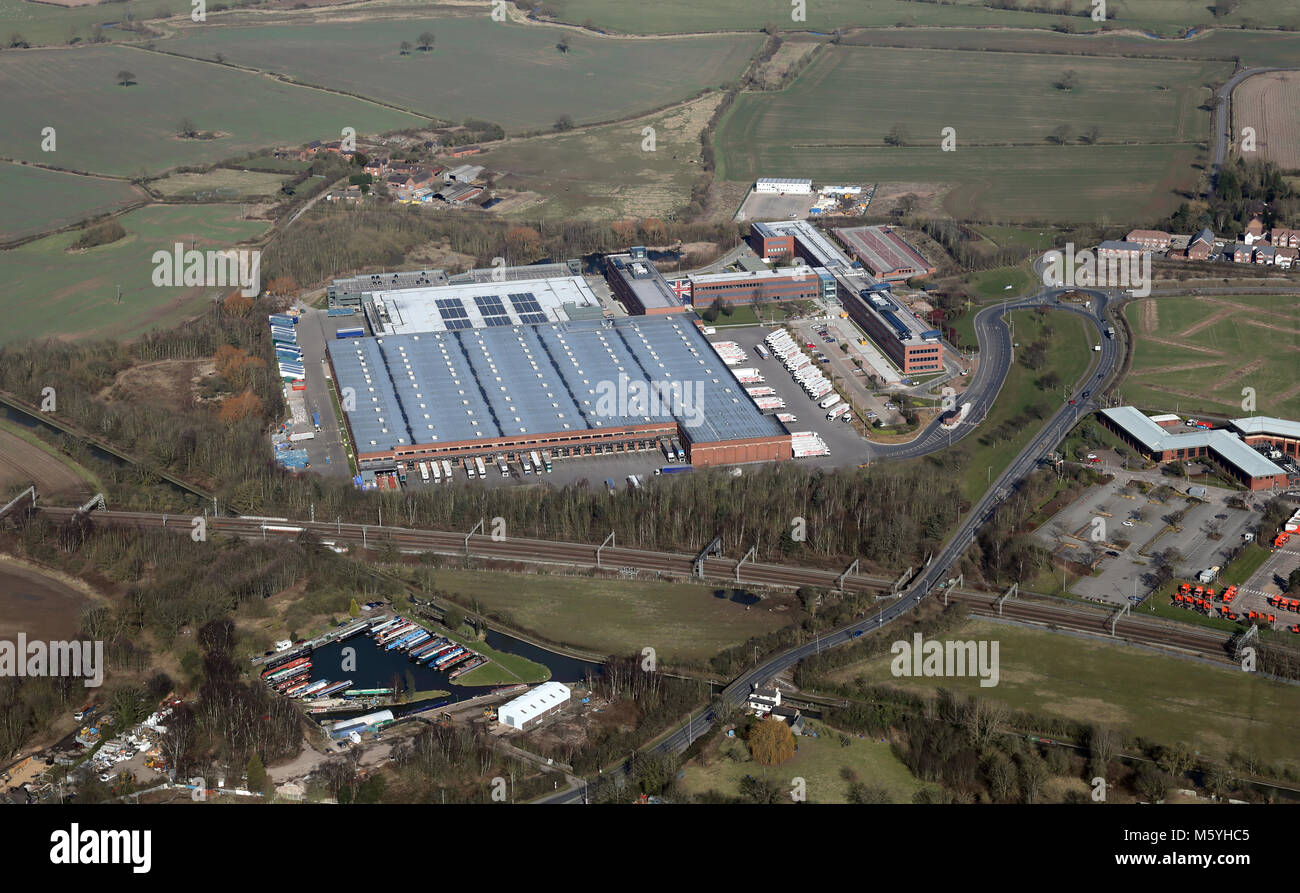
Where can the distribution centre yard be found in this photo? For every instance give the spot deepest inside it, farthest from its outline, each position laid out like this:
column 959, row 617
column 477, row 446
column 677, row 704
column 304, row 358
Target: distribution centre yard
column 75, row 293
column 37, row 200
column 1197, row 353
column 1165, row 17
column 604, row 173
column 1217, row 710
column 681, row 621
column 813, row 129
column 510, row 74
column 129, row 131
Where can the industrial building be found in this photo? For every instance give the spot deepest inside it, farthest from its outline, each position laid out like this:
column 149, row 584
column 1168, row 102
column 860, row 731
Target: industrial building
column 1236, row 452
column 801, row 283
column 884, row 253
column 529, row 709
column 780, row 240
column 474, row 305
column 639, row 285
column 352, row 291
column 783, row 186
column 573, row 388
column 912, row 345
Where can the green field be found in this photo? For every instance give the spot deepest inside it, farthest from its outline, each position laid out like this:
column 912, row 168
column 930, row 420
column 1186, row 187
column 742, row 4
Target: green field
column 1163, row 699
column 220, row 184
column 818, row 762
column 49, row 25
column 680, row 621
column 1165, row 17
column 509, row 74
column 130, row 131
column 1069, row 357
column 38, row 200
column 1003, row 167
column 1198, row 353
column 602, row 173
column 75, row 292
column 1254, row 48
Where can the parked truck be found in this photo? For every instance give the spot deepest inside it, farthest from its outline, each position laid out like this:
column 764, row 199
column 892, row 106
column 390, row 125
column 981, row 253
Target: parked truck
column 480, row 467
column 677, row 448
column 424, row 472
column 446, row 469
column 315, row 420
column 830, row 401
column 633, row 482
column 302, row 435
column 837, row 412
column 546, row 460
column 537, row 461
column 437, row 473
column 675, row 469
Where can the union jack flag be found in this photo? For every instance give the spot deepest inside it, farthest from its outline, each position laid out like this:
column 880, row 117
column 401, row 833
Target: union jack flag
column 681, row 288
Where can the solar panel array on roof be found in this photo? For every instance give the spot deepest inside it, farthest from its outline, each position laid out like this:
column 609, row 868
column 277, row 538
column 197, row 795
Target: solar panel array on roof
column 453, row 313
column 528, row 308
column 481, row 384
column 492, row 310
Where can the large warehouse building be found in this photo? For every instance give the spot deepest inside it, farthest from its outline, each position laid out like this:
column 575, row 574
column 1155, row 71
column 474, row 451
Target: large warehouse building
column 480, row 305
column 573, row 388
column 884, row 253
column 1237, row 453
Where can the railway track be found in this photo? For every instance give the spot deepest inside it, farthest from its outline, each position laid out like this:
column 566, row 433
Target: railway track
column 1077, row 618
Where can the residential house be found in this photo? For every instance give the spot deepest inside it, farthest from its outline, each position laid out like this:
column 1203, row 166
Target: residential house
column 1150, row 239
column 377, row 166
column 1284, row 238
column 1201, row 246
column 309, row 150
column 762, row 699
column 1264, row 254
column 1113, row 248
column 1254, row 231
column 1241, row 253
column 1286, row 257
column 788, row 714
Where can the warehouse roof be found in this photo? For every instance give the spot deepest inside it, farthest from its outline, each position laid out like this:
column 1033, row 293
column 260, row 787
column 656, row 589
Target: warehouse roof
column 481, row 384
column 535, row 702
column 479, row 304
column 882, row 250
column 1226, row 445
column 1260, row 425
column 824, row 252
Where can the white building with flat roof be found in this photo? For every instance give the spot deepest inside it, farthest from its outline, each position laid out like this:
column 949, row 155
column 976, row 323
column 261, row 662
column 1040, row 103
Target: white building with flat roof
column 480, row 305
column 532, row 707
column 784, row 185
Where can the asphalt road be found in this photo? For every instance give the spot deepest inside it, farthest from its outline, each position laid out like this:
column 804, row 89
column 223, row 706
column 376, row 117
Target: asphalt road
column 1222, row 120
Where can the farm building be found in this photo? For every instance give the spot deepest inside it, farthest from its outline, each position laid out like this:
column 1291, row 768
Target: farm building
column 530, row 708
column 783, row 185
column 883, row 252
column 1230, row 451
